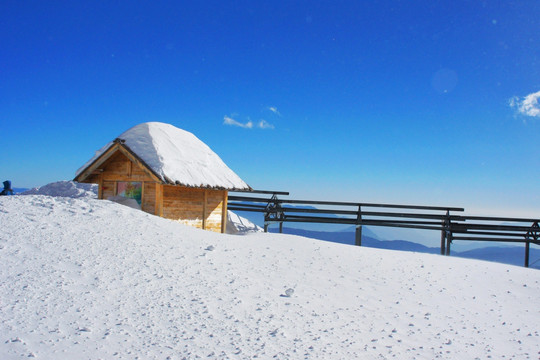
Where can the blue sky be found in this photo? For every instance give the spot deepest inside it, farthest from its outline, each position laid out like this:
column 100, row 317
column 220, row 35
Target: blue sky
column 406, row 102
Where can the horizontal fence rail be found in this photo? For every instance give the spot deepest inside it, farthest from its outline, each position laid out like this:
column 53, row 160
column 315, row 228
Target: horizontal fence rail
column 444, row 219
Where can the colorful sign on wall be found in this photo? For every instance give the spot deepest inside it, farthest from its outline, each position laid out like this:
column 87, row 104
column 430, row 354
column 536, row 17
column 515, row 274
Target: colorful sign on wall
column 130, row 190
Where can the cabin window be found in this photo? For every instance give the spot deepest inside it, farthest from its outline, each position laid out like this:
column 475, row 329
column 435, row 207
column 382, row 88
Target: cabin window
column 130, row 190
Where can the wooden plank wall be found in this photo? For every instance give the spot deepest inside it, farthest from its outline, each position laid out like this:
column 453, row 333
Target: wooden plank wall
column 200, row 208
column 183, row 205
column 120, row 168
column 149, row 198
column 109, row 189
column 214, row 210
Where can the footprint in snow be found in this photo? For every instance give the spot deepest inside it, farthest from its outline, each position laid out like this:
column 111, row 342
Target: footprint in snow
column 210, row 248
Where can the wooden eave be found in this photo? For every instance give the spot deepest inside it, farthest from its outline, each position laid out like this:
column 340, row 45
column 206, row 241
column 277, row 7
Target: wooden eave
column 208, row 187
column 117, row 146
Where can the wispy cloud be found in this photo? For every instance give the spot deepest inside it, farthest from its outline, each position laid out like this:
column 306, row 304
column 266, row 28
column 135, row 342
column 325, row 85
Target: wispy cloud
column 263, row 124
column 274, row 110
column 227, row 120
column 528, row 105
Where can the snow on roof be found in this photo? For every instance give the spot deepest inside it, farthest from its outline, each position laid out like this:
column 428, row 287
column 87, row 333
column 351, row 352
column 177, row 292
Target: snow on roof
column 176, row 156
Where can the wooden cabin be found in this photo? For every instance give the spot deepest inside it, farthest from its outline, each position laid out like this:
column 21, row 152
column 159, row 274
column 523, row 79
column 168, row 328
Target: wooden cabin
column 164, row 171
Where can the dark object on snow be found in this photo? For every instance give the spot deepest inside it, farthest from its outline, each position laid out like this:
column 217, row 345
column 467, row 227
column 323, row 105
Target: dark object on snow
column 7, row 188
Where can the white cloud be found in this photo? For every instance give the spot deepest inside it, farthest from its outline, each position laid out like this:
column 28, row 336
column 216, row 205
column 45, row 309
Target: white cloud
column 274, row 110
column 263, row 124
column 528, row 106
column 227, row 120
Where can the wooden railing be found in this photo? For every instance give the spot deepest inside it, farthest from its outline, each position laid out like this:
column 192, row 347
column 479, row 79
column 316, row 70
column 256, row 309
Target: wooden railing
column 444, row 219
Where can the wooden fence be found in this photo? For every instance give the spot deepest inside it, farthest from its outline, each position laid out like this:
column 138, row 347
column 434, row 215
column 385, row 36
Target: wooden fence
column 450, row 221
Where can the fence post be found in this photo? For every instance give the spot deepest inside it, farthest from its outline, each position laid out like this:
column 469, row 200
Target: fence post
column 531, row 234
column 449, row 234
column 358, row 236
column 443, row 241
column 527, row 247
column 444, row 232
column 280, row 216
column 448, row 242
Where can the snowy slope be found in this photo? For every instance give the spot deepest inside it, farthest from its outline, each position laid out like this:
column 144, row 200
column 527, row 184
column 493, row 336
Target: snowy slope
column 89, row 279
column 176, row 156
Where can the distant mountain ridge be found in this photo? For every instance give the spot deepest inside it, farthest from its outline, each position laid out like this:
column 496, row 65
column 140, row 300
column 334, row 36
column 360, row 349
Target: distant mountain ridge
column 508, row 255
column 345, row 237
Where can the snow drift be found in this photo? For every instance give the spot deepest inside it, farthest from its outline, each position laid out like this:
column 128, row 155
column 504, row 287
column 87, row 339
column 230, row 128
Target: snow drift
column 89, row 279
column 65, row 188
column 238, row 225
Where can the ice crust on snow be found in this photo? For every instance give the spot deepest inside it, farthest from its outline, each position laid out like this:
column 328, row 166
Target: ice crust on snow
column 176, row 156
column 90, row 279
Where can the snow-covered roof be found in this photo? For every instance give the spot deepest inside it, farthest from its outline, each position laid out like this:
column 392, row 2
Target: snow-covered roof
column 175, row 156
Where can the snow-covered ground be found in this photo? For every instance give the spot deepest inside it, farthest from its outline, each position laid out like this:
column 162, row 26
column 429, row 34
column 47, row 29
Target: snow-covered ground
column 91, row 279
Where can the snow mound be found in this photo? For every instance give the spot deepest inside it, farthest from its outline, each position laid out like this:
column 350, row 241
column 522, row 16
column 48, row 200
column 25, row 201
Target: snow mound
column 90, row 279
column 65, row 188
column 238, row 225
column 132, row 203
column 176, row 156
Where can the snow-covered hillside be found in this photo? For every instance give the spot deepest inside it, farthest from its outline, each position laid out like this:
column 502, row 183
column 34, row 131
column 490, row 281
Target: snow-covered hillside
column 90, row 279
